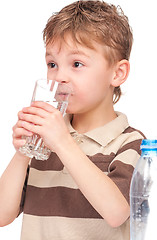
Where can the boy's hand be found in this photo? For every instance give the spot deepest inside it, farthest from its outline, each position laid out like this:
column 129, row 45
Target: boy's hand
column 18, row 132
column 43, row 119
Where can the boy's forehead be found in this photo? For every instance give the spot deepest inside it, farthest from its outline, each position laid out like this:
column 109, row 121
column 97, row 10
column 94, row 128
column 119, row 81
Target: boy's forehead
column 58, row 44
column 70, row 45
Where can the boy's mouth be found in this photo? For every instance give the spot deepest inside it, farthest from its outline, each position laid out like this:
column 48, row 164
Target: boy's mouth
column 64, row 91
column 62, row 96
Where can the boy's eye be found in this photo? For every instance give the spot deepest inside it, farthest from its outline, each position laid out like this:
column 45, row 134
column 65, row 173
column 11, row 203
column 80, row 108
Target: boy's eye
column 77, row 64
column 51, row 65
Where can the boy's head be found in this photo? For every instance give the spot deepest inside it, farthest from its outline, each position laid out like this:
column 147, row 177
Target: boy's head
column 93, row 21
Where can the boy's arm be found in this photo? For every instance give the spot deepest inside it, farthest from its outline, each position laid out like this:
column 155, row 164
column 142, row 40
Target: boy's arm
column 11, row 186
column 108, row 194
column 97, row 187
column 13, row 178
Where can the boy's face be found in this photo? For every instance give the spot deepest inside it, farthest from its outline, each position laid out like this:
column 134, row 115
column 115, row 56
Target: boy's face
column 86, row 71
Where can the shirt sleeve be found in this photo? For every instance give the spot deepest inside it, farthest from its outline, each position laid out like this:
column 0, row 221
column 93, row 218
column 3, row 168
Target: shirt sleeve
column 122, row 167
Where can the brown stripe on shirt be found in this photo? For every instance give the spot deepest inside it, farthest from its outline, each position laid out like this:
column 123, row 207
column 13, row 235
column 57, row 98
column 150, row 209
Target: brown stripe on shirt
column 102, row 161
column 135, row 145
column 131, row 129
column 58, row 201
column 53, row 163
column 121, row 175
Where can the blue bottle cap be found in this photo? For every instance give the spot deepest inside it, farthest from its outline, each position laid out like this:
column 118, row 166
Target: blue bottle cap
column 149, row 144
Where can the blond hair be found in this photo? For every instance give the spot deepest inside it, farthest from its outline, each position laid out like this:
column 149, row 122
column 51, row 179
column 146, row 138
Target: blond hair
column 93, row 20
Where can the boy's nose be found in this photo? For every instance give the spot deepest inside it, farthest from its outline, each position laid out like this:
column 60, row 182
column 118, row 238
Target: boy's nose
column 61, row 76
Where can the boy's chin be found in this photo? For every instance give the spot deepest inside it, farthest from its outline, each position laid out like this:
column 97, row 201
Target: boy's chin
column 68, row 111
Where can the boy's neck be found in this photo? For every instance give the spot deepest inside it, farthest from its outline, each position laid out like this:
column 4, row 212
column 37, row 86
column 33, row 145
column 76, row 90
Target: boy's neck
column 86, row 122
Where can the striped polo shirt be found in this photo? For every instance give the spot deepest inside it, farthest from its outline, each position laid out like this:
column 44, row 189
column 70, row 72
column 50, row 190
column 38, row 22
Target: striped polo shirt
column 53, row 206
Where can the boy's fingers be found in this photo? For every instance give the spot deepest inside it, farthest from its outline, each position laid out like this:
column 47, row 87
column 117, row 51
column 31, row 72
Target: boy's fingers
column 18, row 143
column 19, row 113
column 18, row 132
column 45, row 106
column 30, row 127
column 34, row 111
column 32, row 118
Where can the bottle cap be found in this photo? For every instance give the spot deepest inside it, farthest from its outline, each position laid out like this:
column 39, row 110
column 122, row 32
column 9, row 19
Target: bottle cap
column 149, row 144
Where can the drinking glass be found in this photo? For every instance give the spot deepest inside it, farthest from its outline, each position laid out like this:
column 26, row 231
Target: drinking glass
column 56, row 94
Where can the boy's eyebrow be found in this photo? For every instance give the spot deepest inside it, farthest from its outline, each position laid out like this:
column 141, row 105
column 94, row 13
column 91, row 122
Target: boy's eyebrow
column 48, row 54
column 73, row 52
column 78, row 52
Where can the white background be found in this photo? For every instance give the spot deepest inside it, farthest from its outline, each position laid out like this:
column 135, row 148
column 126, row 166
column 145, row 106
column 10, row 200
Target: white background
column 22, row 62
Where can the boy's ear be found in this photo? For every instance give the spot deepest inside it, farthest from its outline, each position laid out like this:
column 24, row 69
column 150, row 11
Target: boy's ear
column 122, row 70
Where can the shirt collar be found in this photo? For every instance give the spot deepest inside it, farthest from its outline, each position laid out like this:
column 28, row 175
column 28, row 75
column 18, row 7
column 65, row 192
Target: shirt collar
column 105, row 134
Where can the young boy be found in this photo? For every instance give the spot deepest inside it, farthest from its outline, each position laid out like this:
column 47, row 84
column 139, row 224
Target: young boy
column 82, row 190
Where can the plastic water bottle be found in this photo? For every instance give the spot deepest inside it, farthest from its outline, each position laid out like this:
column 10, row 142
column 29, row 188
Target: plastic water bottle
column 143, row 194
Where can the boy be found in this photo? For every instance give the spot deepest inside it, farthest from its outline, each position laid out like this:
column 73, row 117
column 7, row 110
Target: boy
column 82, row 190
